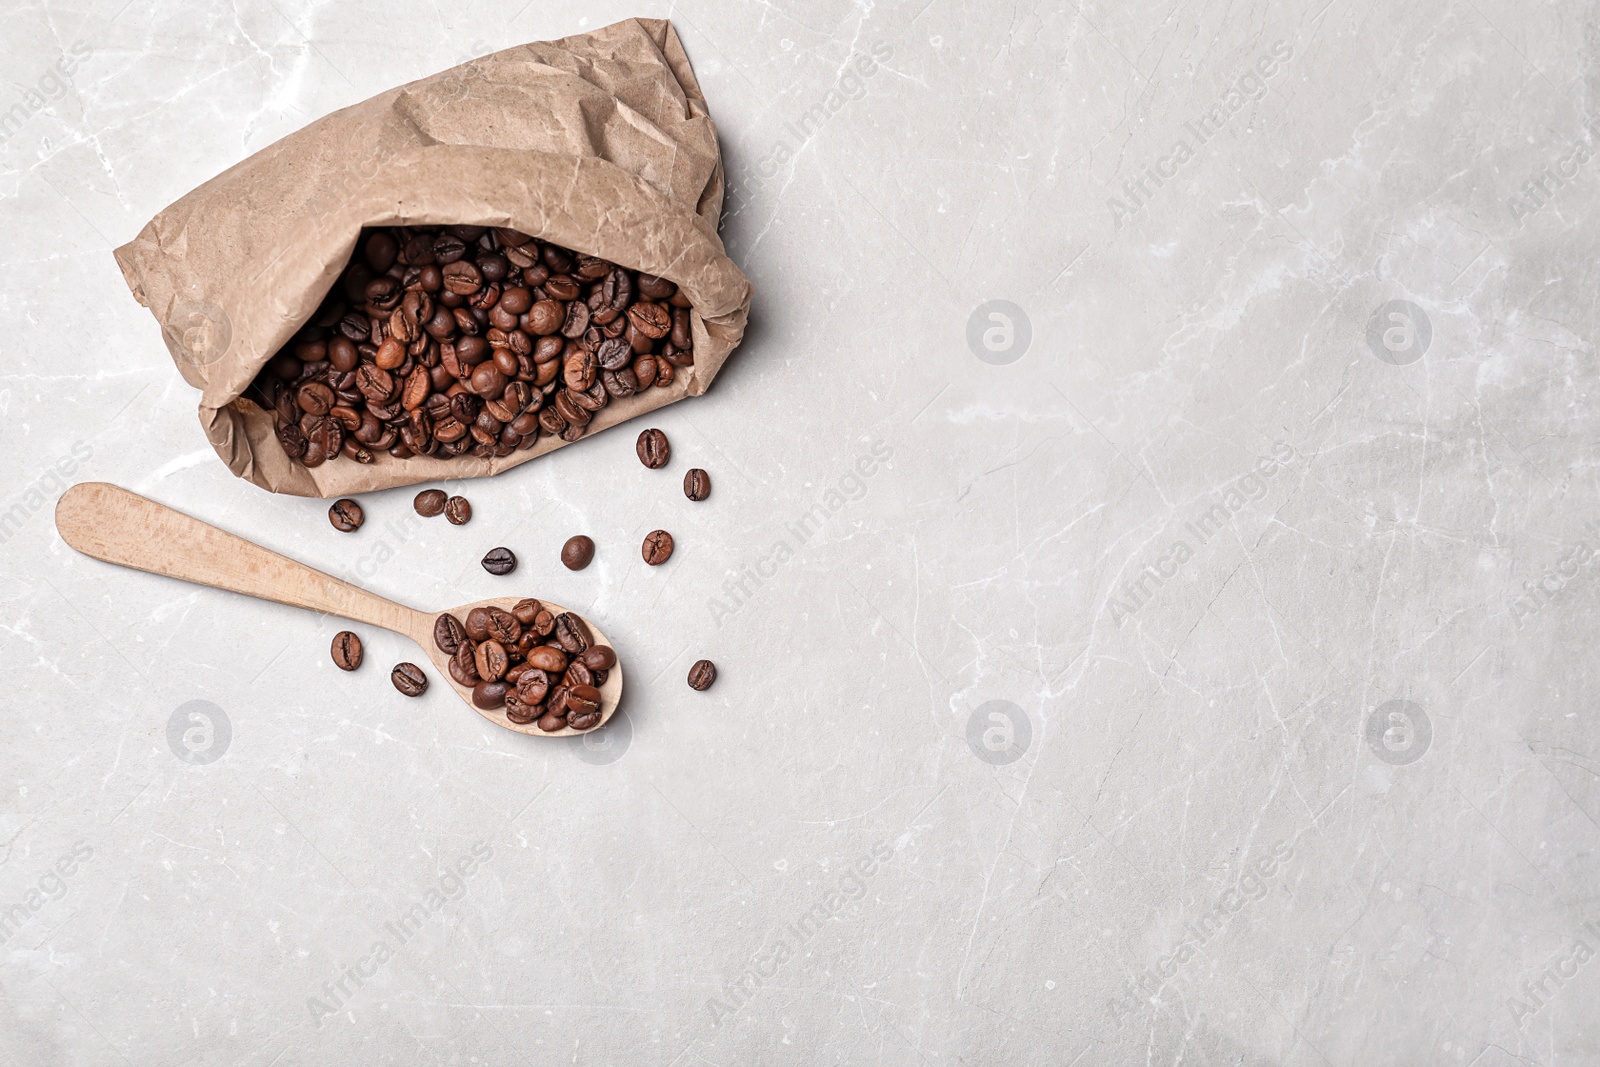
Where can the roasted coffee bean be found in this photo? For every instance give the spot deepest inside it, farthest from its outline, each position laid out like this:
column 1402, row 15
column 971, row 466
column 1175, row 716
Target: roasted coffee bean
column 697, row 484
column 551, row 722
column 503, row 627
column 448, row 633
column 599, row 658
column 430, row 502
column 702, row 674
column 654, row 288
column 577, row 674
column 544, row 623
column 462, row 667
column 316, row 398
column 292, row 440
column 346, row 515
column 409, row 679
column 657, row 547
column 572, row 633
column 526, row 611
column 551, row 660
column 477, row 625
column 489, row 695
column 534, row 685
column 556, row 702
column 458, row 511
column 518, row 712
column 653, row 449
column 346, row 650
column 582, row 722
column 582, row 700
column 491, row 660
column 652, row 320
column 500, row 561
column 577, row 552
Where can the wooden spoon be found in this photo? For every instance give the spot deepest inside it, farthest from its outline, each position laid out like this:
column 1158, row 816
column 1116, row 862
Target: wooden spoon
column 110, row 523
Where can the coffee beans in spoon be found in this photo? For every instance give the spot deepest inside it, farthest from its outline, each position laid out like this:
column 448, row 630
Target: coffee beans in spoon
column 455, row 340
column 541, row 667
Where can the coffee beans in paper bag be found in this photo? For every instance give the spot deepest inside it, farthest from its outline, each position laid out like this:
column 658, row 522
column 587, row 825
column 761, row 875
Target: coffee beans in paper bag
column 600, row 144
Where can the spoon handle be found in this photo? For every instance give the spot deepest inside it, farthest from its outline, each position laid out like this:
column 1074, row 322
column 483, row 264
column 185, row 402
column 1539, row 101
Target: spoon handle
column 110, row 523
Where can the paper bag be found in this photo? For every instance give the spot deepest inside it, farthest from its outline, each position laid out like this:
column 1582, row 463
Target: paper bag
column 601, row 143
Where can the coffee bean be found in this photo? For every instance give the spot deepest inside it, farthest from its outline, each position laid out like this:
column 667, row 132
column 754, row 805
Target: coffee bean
column 653, row 449
column 697, row 484
column 409, row 679
column 458, row 511
column 462, row 667
column 572, row 633
column 599, row 658
column 430, row 502
column 448, row 633
column 657, row 547
column 499, row 561
column 577, row 552
column 526, row 611
column 702, row 674
column 504, row 627
column 518, row 712
column 489, row 695
column 346, row 650
column 583, row 722
column 551, row 722
column 346, row 515
column 550, row 660
column 534, row 685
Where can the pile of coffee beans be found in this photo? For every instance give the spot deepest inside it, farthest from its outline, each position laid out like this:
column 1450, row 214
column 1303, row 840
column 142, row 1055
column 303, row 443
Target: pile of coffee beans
column 540, row 667
column 442, row 341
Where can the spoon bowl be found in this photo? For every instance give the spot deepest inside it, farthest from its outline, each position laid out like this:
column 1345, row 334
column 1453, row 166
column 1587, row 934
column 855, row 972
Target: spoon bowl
column 112, row 524
column 610, row 693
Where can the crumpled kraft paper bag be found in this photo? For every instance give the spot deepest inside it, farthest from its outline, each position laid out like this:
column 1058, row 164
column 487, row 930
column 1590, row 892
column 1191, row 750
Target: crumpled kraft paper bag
column 601, row 143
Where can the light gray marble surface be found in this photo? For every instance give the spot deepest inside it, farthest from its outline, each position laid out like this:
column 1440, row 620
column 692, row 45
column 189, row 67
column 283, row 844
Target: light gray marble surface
column 1318, row 787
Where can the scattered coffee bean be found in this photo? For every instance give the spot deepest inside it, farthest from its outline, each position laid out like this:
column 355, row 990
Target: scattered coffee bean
column 458, row 511
column 500, row 561
column 653, row 449
column 346, row 515
column 346, row 650
column 431, row 327
column 697, row 484
column 409, row 679
column 702, row 674
column 657, row 547
column 546, row 669
column 430, row 502
column 577, row 552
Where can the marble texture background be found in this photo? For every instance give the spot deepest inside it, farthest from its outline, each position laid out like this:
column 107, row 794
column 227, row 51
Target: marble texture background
column 995, row 772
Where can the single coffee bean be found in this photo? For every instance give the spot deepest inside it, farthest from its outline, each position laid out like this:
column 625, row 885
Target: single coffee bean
column 550, row 660
column 702, row 674
column 572, row 633
column 518, row 712
column 599, row 658
column 477, row 625
column 462, row 667
column 489, row 695
column 458, row 511
column 657, row 547
column 653, row 449
column 346, row 515
column 534, row 685
column 582, row 699
column 697, row 484
column 556, row 702
column 586, row 721
column 577, row 552
column 448, row 633
column 551, row 722
column 430, row 502
column 500, row 561
column 409, row 679
column 503, row 627
column 526, row 611
column 578, row 674
column 346, row 650
column 491, row 660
